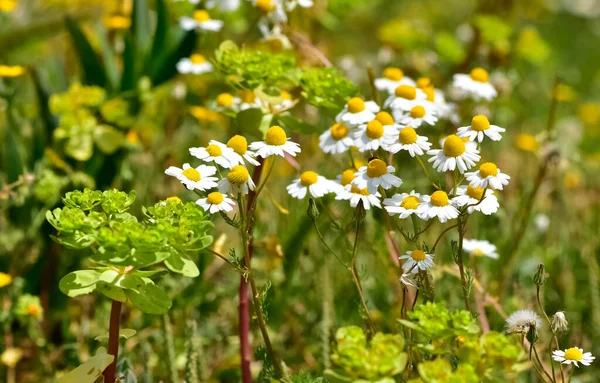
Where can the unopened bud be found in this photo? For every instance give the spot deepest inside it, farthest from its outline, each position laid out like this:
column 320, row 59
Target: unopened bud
column 313, row 210
column 540, row 276
column 559, row 322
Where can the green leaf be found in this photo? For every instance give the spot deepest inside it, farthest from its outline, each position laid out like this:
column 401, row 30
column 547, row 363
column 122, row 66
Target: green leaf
column 108, row 138
column 93, row 70
column 140, row 25
column 91, row 370
column 150, row 273
column 13, row 162
column 79, row 282
column 148, row 297
column 111, row 291
column 162, row 28
column 165, row 67
column 80, row 147
column 408, row 324
column 294, row 125
column 249, row 120
column 128, row 78
column 182, row 265
column 125, row 333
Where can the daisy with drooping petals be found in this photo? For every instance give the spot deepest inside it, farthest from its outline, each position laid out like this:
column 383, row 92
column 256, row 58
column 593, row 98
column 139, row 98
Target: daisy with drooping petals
column 488, row 175
column 407, row 139
column 376, row 173
column 275, row 143
column 573, row 355
column 469, row 195
column 336, row 139
column 522, row 322
column 454, row 154
column 214, row 152
column 474, row 85
column 310, row 182
column 416, row 260
column 436, row 205
column 239, row 145
column 356, row 112
column 480, row 127
column 194, row 178
column 480, row 248
column 403, row 204
column 196, row 64
column 403, row 99
column 238, row 180
column 355, row 195
column 370, row 136
column 420, row 113
column 201, row 21
column 215, row 202
column 392, row 78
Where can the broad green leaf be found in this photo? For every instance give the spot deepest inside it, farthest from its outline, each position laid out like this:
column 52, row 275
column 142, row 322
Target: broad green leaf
column 408, row 324
column 145, row 259
column 249, row 120
column 108, row 138
column 125, row 333
column 13, row 162
column 162, row 28
column 140, row 26
column 79, row 282
column 148, row 297
column 90, row 371
column 80, row 147
column 114, row 278
column 182, row 265
column 111, row 291
column 128, row 79
column 93, row 70
column 150, row 273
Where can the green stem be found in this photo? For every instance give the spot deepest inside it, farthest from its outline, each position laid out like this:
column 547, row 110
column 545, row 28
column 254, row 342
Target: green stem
column 459, row 262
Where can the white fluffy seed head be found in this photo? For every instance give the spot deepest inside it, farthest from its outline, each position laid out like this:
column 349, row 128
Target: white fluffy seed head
column 522, row 322
column 559, row 322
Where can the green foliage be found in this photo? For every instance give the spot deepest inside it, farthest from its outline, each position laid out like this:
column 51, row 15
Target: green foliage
column 28, row 308
column 326, row 87
column 91, row 370
column 440, row 371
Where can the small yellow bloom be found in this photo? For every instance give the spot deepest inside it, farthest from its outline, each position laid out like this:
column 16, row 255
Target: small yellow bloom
column 174, row 198
column 132, row 137
column 8, row 5
column 527, row 143
column 589, row 113
column 5, row 279
column 11, row 70
column 204, row 114
column 117, row 22
column 11, row 356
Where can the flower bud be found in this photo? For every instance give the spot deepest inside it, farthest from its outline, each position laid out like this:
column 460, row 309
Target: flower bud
column 313, row 210
column 559, row 322
column 540, row 276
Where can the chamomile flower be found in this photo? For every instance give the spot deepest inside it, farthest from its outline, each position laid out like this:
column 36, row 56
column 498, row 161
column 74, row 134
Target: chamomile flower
column 436, row 205
column 238, row 180
column 196, row 64
column 215, row 202
column 214, row 152
column 226, row 101
column 291, row 5
column 573, row 355
column 275, row 143
column 469, row 195
column 357, row 112
column 474, row 85
column 420, row 113
column 388, row 122
column 392, row 78
column 343, row 181
column 194, row 178
column 224, row 5
column 404, row 98
column 403, row 204
column 239, row 145
column 275, row 39
column 249, row 100
column 201, row 21
column 407, row 139
column 371, row 136
column 376, row 173
column 310, row 182
column 272, row 9
column 416, row 260
column 480, row 128
column 355, row 195
column 488, row 176
column 336, row 139
column 523, row 322
column 454, row 154
column 480, row 248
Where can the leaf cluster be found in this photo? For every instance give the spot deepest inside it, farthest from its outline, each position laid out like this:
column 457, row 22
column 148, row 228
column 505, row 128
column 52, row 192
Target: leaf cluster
column 326, row 87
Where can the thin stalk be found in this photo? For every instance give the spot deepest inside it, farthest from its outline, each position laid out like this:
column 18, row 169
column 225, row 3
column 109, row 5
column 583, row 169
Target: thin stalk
column 537, row 357
column 427, row 173
column 459, row 262
column 110, row 373
column 357, row 279
column 170, row 345
column 554, row 337
column 441, row 235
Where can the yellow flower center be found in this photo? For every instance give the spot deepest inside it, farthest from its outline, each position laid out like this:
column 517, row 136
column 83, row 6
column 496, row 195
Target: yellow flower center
column 115, row 22
column 527, row 142
column 286, row 95
column 174, row 198
column 11, row 71
column 33, row 310
column 191, row 174
column 197, row 58
column 385, row 118
column 347, row 176
column 417, row 112
column 265, row 5
column 480, row 123
column 488, row 169
column 339, row 131
column 201, row 16
column 407, row 136
column 238, row 175
column 356, row 190
column 430, row 92
column 454, row 146
column 406, row 91
column 573, row 354
column 214, row 198
column 423, row 82
column 376, row 168
column 477, row 252
column 374, row 130
column 475, row 193
column 214, row 150
column 439, row 198
column 239, row 144
column 224, row 100
column 276, row 136
column 309, row 178
column 394, row 74
column 418, row 255
column 5, row 279
column 356, row 105
column 248, row 96
column 479, row 75
column 411, row 202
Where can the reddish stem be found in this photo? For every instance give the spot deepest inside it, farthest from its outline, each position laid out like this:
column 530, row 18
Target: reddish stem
column 110, row 373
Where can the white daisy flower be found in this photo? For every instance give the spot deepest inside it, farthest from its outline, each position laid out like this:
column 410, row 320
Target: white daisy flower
column 420, row 113
column 559, row 322
column 272, row 9
column 371, row 136
column 357, row 112
column 194, row 178
column 291, row 5
column 376, row 173
column 238, row 180
column 392, row 78
column 470, row 145
column 249, row 100
column 480, row 248
column 407, row 139
column 224, row 5
column 469, row 195
column 336, row 139
column 474, row 85
column 388, row 123
column 573, row 355
column 404, row 98
column 275, row 38
column 436, row 205
column 275, row 143
column 215, row 202
column 416, row 260
column 355, row 195
column 239, row 145
column 522, row 321
column 480, row 127
column 226, row 101
column 445, row 110
column 343, row 181
column 287, row 100
column 200, row 22
column 403, row 204
column 214, row 152
column 310, row 182
column 196, row 64
column 488, row 175
column 454, row 154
